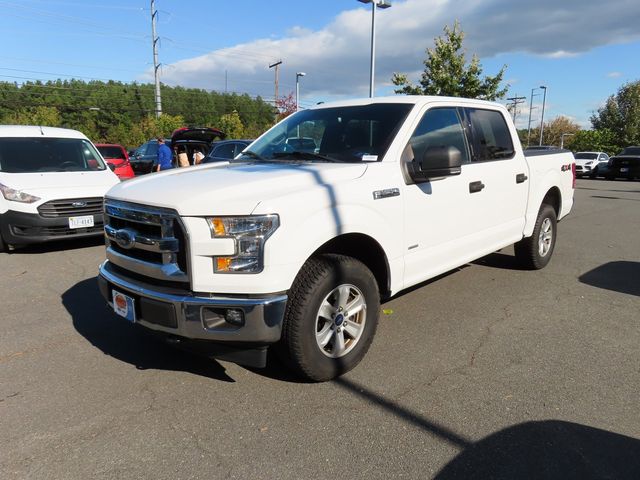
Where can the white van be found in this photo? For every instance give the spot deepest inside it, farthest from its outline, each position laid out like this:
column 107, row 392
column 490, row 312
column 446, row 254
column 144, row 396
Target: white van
column 52, row 181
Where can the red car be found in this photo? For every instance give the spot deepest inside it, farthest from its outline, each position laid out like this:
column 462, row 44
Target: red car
column 117, row 158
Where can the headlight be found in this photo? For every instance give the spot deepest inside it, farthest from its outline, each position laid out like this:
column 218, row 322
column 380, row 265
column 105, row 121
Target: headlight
column 250, row 234
column 17, row 195
column 589, row 163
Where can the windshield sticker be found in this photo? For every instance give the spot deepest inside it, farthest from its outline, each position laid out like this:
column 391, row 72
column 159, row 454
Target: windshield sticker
column 369, row 158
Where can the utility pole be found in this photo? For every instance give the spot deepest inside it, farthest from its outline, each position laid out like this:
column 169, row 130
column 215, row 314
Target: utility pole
column 156, row 65
column 275, row 98
column 515, row 102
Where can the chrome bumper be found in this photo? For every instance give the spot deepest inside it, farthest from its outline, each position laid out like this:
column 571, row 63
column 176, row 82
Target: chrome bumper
column 174, row 312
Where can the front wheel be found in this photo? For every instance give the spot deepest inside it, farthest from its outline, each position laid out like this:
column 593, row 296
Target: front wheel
column 331, row 317
column 534, row 252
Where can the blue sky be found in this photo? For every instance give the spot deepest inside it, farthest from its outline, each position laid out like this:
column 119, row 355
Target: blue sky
column 582, row 50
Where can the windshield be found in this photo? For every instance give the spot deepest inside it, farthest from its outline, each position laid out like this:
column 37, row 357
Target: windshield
column 631, row 151
column 111, row 152
column 30, row 155
column 586, row 156
column 341, row 134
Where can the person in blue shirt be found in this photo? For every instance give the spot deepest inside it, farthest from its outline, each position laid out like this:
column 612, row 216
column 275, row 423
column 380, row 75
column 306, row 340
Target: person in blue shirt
column 165, row 157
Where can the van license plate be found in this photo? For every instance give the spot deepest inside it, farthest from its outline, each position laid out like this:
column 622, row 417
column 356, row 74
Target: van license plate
column 124, row 306
column 81, row 222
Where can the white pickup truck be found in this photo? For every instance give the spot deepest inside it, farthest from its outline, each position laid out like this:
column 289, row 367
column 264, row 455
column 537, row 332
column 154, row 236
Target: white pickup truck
column 294, row 243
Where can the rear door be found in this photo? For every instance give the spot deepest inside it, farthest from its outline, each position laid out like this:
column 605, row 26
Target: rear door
column 499, row 179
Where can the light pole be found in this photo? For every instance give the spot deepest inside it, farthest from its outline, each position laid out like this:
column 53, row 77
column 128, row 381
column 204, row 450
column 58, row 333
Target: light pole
column 374, row 4
column 562, row 138
column 530, row 110
column 544, row 100
column 298, row 75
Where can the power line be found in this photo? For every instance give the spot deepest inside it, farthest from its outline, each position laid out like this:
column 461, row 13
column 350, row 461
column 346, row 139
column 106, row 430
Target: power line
column 515, row 101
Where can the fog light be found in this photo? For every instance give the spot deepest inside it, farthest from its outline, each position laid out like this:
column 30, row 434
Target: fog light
column 212, row 319
column 234, row 317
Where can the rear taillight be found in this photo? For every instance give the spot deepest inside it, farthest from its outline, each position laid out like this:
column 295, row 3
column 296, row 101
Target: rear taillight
column 573, row 172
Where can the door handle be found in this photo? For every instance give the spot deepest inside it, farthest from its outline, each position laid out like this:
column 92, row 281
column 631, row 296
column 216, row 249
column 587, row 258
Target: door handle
column 475, row 186
column 521, row 178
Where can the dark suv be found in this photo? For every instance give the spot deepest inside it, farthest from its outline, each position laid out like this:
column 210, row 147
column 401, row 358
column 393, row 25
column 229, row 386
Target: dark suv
column 145, row 156
column 625, row 165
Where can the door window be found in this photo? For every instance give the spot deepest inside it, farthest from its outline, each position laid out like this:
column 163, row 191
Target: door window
column 439, row 127
column 225, row 151
column 491, row 138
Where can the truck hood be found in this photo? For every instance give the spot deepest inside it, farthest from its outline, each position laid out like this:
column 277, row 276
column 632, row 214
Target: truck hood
column 61, row 184
column 230, row 188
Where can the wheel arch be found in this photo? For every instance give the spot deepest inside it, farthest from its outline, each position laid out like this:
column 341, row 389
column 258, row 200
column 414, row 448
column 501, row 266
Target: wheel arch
column 365, row 249
column 553, row 197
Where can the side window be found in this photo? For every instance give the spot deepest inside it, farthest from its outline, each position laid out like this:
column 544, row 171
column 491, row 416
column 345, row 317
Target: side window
column 491, row 138
column 603, row 157
column 439, row 127
column 224, row 151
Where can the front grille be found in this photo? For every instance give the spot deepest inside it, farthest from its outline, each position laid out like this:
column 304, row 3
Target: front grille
column 146, row 241
column 71, row 207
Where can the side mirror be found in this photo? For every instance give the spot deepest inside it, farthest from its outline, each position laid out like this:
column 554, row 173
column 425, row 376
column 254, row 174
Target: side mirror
column 441, row 162
column 435, row 162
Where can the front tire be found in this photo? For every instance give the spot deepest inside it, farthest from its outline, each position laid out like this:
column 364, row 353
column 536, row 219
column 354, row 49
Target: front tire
column 534, row 252
column 331, row 317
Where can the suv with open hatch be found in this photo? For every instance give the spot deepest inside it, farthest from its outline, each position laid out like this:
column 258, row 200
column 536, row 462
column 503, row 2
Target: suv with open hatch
column 53, row 182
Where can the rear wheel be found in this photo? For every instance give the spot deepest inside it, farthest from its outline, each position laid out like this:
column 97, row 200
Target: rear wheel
column 3, row 246
column 331, row 317
column 534, row 252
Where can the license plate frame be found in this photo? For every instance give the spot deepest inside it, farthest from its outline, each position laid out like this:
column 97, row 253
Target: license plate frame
column 124, row 306
column 84, row 221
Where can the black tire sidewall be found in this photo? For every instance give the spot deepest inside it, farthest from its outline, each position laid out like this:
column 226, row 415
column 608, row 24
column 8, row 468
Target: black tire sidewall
column 546, row 211
column 307, row 356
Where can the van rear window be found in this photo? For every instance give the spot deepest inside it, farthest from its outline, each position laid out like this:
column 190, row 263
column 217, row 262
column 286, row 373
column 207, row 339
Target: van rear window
column 35, row 155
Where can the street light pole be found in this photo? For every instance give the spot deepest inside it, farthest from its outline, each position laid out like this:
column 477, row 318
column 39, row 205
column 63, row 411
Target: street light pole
column 562, row 138
column 298, row 75
column 544, row 100
column 372, row 65
column 530, row 110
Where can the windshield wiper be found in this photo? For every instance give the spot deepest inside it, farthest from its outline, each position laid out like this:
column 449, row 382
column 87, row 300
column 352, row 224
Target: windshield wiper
column 305, row 156
column 250, row 153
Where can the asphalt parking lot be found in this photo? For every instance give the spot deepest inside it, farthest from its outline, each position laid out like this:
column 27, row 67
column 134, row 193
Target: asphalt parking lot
column 486, row 372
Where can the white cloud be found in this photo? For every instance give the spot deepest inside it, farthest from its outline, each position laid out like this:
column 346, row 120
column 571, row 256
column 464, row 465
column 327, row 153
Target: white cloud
column 614, row 74
column 336, row 57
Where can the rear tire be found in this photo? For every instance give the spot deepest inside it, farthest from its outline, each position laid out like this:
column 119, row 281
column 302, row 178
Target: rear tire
column 3, row 246
column 534, row 252
column 331, row 317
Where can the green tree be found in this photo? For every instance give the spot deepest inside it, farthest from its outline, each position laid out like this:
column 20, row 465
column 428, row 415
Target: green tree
column 447, row 72
column 553, row 130
column 45, row 116
column 231, row 124
column 594, row 141
column 621, row 115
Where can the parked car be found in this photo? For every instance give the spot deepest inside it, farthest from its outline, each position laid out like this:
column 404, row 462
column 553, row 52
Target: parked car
column 625, row 165
column 591, row 164
column 297, row 248
column 117, row 158
column 190, row 139
column 145, row 156
column 226, row 150
column 52, row 181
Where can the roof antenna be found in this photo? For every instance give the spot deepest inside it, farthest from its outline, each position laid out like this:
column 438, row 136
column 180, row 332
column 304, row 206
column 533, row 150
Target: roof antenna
column 41, row 131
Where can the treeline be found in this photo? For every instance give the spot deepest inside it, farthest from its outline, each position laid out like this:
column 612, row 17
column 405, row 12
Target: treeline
column 124, row 113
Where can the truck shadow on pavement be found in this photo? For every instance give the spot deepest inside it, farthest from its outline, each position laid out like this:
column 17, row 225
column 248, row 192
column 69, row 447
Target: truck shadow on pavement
column 550, row 449
column 94, row 320
column 621, row 276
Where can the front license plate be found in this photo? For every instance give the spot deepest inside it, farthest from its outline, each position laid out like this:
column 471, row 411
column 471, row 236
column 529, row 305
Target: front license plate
column 124, row 306
column 624, row 170
column 81, row 222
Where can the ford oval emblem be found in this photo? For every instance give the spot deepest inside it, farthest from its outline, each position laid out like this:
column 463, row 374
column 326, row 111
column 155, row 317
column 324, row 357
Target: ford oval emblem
column 79, row 204
column 125, row 238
